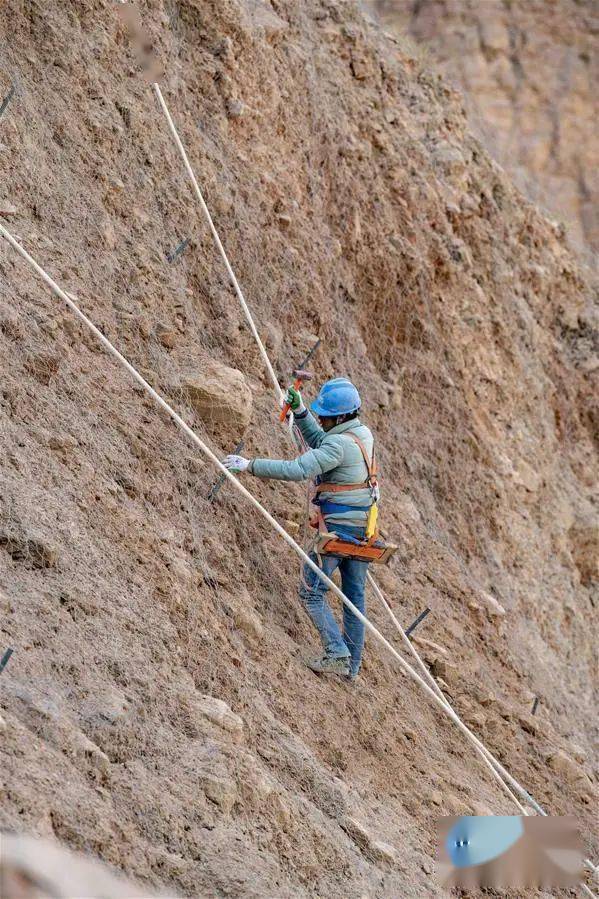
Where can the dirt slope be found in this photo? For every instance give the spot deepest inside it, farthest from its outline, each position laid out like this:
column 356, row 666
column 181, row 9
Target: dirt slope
column 357, row 206
column 528, row 71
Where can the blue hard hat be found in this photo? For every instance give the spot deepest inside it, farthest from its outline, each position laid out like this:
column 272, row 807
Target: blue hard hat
column 336, row 397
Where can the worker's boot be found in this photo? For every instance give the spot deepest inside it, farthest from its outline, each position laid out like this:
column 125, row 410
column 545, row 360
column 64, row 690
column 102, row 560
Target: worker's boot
column 330, row 665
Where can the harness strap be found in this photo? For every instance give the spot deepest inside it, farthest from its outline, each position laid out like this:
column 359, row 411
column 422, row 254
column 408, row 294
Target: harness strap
column 370, row 465
column 371, row 468
column 329, row 507
column 325, row 487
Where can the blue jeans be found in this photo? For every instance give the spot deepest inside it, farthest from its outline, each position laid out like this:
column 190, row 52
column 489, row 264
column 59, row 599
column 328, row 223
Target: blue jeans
column 312, row 594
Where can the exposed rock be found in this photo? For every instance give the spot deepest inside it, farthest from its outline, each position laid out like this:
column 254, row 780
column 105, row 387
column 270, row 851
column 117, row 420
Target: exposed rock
column 223, row 202
column 248, row 621
column 528, row 723
column 272, row 338
column 236, row 108
column 167, row 336
column 383, row 851
column 525, row 475
column 292, row 527
column 450, row 159
column 453, row 805
column 126, row 483
column 492, row 605
column 62, row 442
column 145, row 326
column 442, row 668
column 107, row 704
column 361, row 66
column 427, row 866
column 108, row 233
column 10, row 324
column 527, row 70
column 358, row 833
column 484, row 698
column 568, row 768
column 406, row 507
column 32, row 552
column 366, row 843
column 83, row 748
column 478, row 808
column 429, row 645
column 262, row 16
column 258, row 783
column 281, row 808
column 219, row 713
column 7, row 209
column 371, row 847
column 476, row 720
column 577, row 753
column 220, row 790
column 584, row 540
column 221, row 396
column 50, row 721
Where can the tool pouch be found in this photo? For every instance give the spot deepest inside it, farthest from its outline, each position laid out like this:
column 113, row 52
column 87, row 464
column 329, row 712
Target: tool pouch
column 375, row 550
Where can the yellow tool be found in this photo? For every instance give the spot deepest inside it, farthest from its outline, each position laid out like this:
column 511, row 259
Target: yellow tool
column 373, row 514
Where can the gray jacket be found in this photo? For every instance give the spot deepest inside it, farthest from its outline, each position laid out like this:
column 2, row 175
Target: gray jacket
column 332, row 455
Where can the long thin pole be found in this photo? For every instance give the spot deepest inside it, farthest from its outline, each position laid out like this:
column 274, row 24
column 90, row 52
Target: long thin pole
column 218, row 242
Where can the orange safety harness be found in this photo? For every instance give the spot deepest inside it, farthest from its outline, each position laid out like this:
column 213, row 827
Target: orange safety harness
column 371, row 548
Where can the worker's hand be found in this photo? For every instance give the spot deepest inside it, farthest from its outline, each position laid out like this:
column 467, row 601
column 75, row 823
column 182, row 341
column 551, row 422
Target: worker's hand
column 294, row 398
column 236, row 463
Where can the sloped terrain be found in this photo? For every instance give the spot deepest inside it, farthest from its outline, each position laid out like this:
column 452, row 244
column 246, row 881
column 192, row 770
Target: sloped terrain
column 356, row 206
column 528, row 71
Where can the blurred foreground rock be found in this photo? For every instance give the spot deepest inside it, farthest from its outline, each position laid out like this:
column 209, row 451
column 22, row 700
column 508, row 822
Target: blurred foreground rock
column 38, row 869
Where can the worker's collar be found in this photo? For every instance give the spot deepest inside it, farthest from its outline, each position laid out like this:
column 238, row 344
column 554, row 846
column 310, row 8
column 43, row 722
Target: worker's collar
column 345, row 426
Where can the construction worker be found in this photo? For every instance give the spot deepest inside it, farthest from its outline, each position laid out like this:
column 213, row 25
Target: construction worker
column 340, row 448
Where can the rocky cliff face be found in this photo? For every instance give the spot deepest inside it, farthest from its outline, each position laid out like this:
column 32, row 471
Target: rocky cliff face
column 528, row 71
column 156, row 710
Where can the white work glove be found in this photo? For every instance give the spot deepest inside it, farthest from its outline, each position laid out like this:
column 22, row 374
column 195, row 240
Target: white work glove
column 236, row 463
